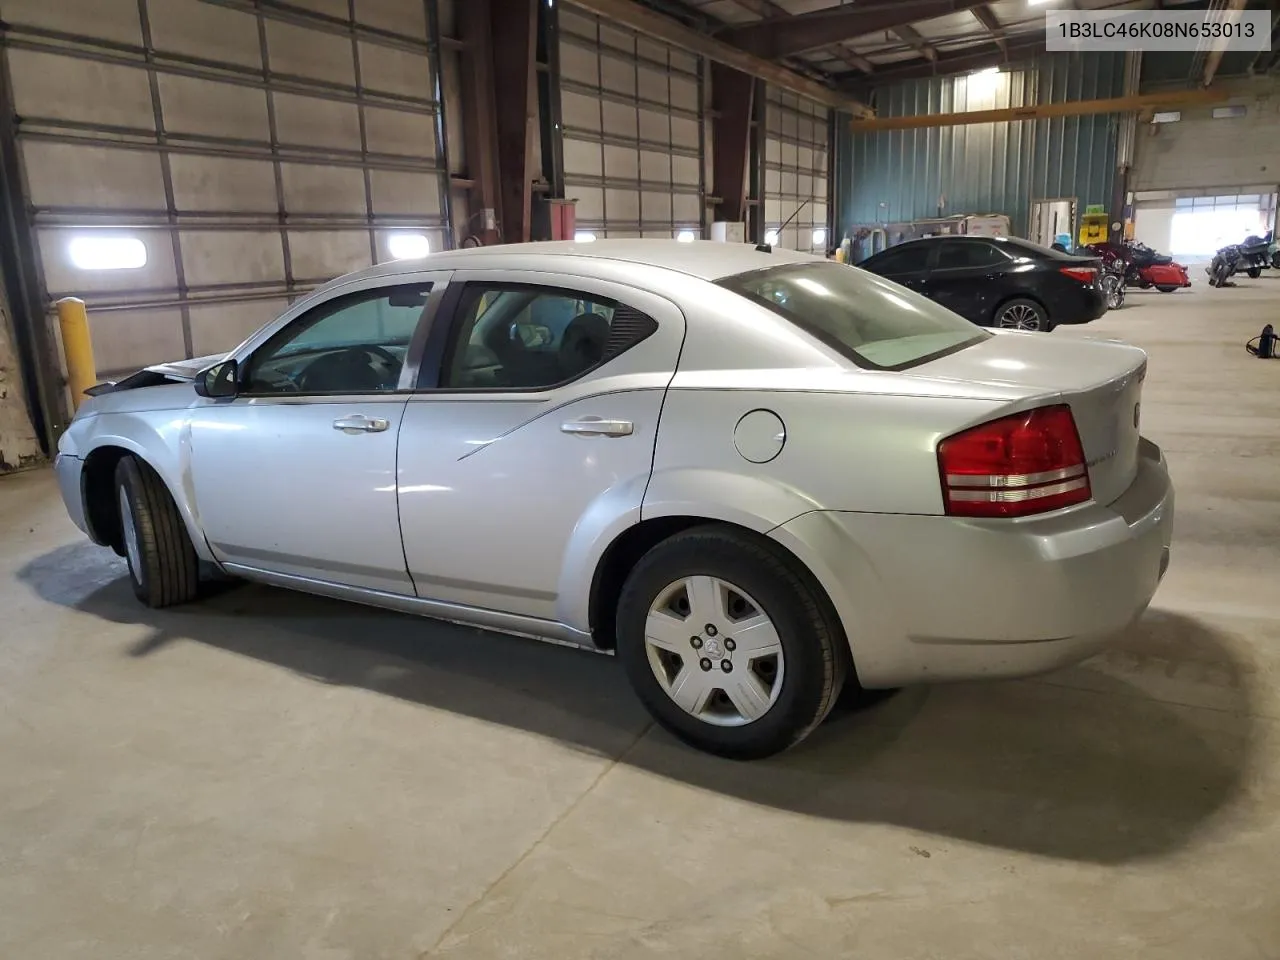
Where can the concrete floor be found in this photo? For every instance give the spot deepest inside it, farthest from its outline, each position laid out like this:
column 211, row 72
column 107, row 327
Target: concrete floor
column 268, row 775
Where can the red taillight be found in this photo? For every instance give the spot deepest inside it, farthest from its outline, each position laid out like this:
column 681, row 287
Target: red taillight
column 1018, row 465
column 1083, row 274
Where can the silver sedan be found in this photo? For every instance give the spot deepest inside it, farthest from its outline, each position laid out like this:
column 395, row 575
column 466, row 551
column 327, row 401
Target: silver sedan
column 757, row 476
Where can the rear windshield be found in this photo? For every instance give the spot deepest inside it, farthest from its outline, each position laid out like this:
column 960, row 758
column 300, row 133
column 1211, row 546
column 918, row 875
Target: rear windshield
column 872, row 321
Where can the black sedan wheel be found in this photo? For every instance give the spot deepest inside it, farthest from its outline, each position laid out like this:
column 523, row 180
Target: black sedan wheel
column 1022, row 314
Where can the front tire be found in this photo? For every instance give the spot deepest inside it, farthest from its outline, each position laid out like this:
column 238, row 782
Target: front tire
column 1255, row 273
column 1166, row 289
column 1022, row 314
column 732, row 649
column 163, row 566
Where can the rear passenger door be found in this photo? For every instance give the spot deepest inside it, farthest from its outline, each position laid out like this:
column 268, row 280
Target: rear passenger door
column 968, row 278
column 531, row 431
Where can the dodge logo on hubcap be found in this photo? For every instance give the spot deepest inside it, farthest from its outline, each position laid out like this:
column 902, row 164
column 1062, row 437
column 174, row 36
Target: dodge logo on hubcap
column 713, row 648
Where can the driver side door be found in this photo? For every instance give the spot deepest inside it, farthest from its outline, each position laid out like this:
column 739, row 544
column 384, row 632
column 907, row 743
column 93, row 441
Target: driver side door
column 296, row 474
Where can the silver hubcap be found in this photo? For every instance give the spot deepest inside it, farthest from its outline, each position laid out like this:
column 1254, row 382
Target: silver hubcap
column 714, row 651
column 1019, row 317
column 129, row 530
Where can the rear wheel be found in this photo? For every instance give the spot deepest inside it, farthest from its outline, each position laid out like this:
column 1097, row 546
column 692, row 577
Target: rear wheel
column 730, row 648
column 1022, row 314
column 1255, row 273
column 163, row 566
column 1166, row 289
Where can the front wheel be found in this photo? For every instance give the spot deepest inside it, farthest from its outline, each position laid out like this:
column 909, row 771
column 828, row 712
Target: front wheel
column 1022, row 314
column 1166, row 289
column 731, row 648
column 163, row 566
column 1255, row 273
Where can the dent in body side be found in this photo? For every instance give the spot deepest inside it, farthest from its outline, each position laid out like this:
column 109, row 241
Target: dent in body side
column 160, row 438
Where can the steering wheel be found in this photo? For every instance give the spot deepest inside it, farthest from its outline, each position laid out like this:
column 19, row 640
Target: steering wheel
column 349, row 358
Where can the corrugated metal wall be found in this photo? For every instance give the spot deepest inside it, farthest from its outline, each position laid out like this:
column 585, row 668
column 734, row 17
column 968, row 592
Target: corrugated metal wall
column 900, row 175
column 252, row 151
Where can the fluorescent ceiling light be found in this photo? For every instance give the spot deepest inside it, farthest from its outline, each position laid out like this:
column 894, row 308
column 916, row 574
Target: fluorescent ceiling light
column 408, row 246
column 583, row 236
column 108, row 253
column 685, row 236
column 988, row 72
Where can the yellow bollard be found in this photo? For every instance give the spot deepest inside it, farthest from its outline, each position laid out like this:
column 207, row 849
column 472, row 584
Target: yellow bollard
column 77, row 347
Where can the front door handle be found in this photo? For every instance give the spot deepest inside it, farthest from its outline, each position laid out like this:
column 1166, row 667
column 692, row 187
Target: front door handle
column 596, row 427
column 361, row 424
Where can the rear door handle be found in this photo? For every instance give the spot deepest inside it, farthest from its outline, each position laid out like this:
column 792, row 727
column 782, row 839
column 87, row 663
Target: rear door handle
column 596, row 427
column 361, row 424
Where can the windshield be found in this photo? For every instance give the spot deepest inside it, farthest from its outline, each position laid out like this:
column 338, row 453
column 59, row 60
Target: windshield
column 873, row 322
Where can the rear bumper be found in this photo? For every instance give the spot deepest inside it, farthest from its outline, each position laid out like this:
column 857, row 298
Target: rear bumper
column 1083, row 305
column 930, row 598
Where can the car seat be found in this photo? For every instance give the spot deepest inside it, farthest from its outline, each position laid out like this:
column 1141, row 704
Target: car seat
column 583, row 343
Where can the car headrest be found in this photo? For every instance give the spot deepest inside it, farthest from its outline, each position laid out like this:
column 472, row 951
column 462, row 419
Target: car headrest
column 583, row 341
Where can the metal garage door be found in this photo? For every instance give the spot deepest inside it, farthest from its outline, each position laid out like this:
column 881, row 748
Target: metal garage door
column 633, row 131
column 191, row 165
column 795, row 171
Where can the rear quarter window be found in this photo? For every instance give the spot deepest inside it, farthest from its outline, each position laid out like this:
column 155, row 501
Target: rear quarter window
column 875, row 323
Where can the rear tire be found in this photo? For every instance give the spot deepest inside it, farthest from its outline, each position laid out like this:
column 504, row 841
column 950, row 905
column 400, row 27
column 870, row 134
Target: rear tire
column 743, row 698
column 1255, row 273
column 1022, row 314
column 163, row 566
column 1166, row 289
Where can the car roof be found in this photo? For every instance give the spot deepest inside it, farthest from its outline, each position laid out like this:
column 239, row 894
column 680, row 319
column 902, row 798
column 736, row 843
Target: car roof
column 706, row 259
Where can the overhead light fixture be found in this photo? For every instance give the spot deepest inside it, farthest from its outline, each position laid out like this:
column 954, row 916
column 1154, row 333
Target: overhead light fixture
column 584, row 236
column 820, row 237
column 685, row 236
column 408, row 246
column 988, row 72
column 771, row 237
column 107, row 253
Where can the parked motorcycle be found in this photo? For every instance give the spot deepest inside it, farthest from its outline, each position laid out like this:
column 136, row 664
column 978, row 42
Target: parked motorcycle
column 1112, row 283
column 1143, row 267
column 1255, row 255
column 1224, row 265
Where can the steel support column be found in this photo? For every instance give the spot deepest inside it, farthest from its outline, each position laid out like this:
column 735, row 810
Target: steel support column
column 731, row 100
column 480, row 125
column 549, row 98
column 514, row 26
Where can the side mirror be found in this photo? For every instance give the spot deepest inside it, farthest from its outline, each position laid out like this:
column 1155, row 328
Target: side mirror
column 218, row 381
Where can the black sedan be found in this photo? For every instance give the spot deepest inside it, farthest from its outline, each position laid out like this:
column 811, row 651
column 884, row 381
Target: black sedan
column 997, row 281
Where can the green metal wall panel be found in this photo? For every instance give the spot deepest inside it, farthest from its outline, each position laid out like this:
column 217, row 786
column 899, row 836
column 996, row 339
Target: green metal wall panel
column 901, row 175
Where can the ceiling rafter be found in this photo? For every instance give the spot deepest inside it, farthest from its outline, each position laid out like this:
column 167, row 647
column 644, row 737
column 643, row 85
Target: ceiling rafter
column 777, row 38
column 989, row 22
column 912, row 38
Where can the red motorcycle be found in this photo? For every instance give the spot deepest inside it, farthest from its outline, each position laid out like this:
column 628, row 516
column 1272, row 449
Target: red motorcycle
column 1143, row 267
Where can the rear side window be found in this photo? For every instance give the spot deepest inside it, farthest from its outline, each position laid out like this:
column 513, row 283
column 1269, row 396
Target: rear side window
column 524, row 337
column 875, row 323
column 910, row 258
column 966, row 254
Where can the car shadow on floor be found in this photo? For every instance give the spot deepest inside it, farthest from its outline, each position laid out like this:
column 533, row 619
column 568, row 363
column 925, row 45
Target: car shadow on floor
column 1107, row 762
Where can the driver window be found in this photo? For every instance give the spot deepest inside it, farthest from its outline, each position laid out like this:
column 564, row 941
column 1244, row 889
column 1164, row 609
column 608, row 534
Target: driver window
column 351, row 344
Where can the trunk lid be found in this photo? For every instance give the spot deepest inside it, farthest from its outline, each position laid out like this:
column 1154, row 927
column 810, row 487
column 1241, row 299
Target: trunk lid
column 1101, row 380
